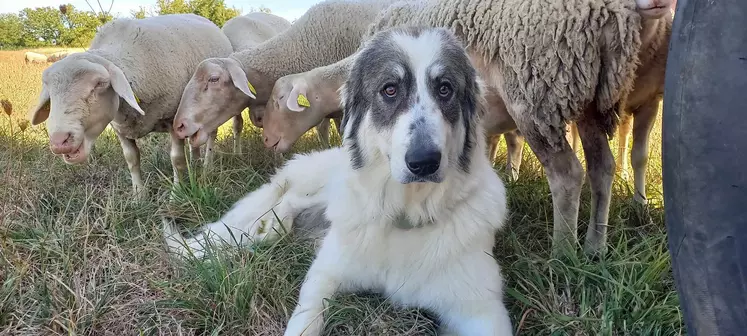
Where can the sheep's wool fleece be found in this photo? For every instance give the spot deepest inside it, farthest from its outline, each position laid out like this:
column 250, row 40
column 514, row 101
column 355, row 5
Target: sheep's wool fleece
column 158, row 55
column 254, row 28
column 555, row 56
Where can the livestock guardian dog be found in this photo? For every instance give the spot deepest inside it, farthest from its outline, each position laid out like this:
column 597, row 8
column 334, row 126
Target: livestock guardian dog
column 412, row 201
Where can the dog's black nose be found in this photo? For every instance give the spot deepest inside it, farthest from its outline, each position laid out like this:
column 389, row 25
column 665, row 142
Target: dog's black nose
column 423, row 162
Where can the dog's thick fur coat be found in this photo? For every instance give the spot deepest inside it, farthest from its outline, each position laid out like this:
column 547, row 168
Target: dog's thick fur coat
column 412, row 201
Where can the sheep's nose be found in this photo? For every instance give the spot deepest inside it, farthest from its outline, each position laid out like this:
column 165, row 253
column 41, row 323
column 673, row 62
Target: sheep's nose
column 179, row 127
column 60, row 142
column 271, row 142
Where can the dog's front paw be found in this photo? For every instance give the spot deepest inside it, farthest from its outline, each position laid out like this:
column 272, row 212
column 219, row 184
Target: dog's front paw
column 304, row 324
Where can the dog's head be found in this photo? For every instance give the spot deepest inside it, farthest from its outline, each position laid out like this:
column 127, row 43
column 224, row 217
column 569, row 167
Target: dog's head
column 411, row 99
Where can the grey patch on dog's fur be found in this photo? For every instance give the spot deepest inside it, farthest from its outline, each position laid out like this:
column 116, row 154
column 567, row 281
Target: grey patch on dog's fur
column 311, row 224
column 404, row 223
column 377, row 66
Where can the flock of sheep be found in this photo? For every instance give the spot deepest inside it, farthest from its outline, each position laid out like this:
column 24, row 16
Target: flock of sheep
column 553, row 68
column 32, row 57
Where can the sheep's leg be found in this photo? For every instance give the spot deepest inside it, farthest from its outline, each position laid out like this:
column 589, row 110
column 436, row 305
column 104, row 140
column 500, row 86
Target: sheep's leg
column 600, row 170
column 493, row 151
column 209, row 150
column 238, row 126
column 623, row 134
column 132, row 157
column 564, row 175
column 644, row 122
column 515, row 148
column 178, row 161
column 194, row 154
column 322, row 131
column 338, row 125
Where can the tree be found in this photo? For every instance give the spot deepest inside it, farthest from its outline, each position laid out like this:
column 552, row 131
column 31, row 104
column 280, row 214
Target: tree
column 139, row 14
column 261, row 8
column 214, row 10
column 41, row 26
column 11, row 30
column 80, row 26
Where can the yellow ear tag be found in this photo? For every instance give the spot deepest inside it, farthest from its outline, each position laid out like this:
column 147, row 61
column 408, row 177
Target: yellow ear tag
column 137, row 99
column 251, row 88
column 302, row 101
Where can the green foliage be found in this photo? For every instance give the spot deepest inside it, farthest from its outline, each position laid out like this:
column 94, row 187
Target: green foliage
column 66, row 26
column 49, row 26
column 80, row 26
column 262, row 9
column 139, row 14
column 11, row 29
column 41, row 26
column 213, row 10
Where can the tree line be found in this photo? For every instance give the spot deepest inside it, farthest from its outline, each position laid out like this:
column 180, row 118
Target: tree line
column 67, row 26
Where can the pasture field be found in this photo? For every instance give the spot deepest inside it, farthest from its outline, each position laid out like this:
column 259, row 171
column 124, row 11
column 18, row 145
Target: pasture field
column 78, row 256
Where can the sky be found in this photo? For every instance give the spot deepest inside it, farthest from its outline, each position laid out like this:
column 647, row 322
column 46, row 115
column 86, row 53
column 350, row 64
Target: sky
column 288, row 9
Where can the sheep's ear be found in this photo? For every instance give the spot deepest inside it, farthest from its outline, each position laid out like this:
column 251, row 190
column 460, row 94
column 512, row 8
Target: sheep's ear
column 297, row 100
column 122, row 87
column 239, row 79
column 40, row 112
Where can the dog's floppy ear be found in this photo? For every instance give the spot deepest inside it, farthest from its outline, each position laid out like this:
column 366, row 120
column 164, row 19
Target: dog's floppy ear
column 238, row 76
column 122, row 87
column 297, row 100
column 40, row 112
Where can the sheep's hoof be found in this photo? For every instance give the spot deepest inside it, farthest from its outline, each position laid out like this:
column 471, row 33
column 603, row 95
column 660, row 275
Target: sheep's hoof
column 595, row 248
column 140, row 194
column 640, row 199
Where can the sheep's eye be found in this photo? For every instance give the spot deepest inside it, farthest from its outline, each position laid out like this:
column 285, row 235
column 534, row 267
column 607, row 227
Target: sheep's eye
column 213, row 79
column 444, row 90
column 390, row 90
column 102, row 84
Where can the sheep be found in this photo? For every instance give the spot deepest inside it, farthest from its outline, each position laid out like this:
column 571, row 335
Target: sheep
column 286, row 120
column 245, row 32
column 132, row 78
column 548, row 63
column 249, row 30
column 246, row 78
column 54, row 57
column 643, row 101
column 32, row 57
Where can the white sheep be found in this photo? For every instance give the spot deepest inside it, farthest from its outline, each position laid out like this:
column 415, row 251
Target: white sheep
column 548, row 63
column 246, row 78
column 246, row 32
column 32, row 57
column 54, row 57
column 643, row 102
column 131, row 77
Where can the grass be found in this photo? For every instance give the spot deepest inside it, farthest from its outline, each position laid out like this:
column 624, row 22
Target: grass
column 79, row 257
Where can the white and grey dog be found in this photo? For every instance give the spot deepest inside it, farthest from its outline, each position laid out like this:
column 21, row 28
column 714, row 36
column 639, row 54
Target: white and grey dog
column 412, row 201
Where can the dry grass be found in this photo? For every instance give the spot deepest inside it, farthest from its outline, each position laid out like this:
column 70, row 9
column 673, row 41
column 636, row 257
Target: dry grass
column 78, row 256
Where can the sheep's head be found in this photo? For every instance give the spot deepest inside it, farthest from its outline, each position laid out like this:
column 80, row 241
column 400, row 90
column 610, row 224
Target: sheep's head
column 79, row 98
column 298, row 102
column 654, row 9
column 218, row 90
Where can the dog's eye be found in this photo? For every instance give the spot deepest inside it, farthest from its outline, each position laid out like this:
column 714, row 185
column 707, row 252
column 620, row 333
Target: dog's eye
column 213, row 79
column 444, row 90
column 390, row 90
